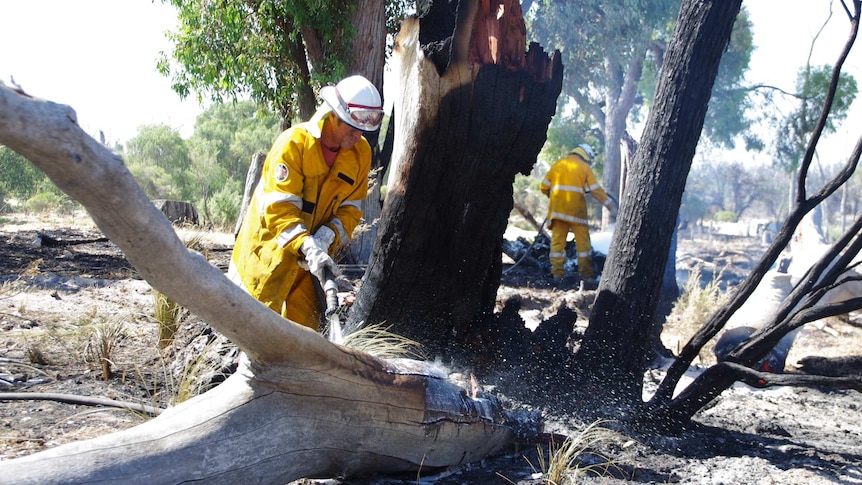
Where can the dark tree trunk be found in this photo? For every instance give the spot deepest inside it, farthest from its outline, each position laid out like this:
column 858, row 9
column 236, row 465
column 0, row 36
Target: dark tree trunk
column 178, row 211
column 252, row 177
column 669, row 288
column 613, row 354
column 807, row 302
column 473, row 112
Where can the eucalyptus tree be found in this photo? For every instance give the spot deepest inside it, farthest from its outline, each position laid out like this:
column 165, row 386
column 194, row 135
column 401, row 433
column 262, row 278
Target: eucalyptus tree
column 231, row 133
column 794, row 130
column 276, row 52
column 19, row 179
column 158, row 157
column 225, row 138
column 613, row 52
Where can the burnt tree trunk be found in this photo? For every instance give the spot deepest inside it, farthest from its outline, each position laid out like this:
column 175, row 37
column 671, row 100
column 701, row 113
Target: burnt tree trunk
column 178, row 211
column 473, row 110
column 616, row 344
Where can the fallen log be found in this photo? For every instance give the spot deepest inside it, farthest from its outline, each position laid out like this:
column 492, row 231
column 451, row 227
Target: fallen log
column 299, row 406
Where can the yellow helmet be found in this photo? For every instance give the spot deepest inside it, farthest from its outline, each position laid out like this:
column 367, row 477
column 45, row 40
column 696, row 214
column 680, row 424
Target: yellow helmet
column 584, row 151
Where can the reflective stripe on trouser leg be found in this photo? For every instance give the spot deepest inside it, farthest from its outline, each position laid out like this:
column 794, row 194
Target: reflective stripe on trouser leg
column 585, row 249
column 559, row 232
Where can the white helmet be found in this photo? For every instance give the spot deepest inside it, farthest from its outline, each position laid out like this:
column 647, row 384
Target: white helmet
column 585, row 151
column 356, row 102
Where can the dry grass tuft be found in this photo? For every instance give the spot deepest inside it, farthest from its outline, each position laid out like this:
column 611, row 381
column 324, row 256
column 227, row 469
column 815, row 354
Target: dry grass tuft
column 190, row 383
column 378, row 341
column 104, row 339
column 167, row 314
column 12, row 287
column 166, row 311
column 36, row 356
column 693, row 308
column 565, row 462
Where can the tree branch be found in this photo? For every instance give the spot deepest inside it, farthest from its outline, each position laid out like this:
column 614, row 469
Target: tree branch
column 827, row 108
column 89, row 172
column 762, row 380
column 76, row 399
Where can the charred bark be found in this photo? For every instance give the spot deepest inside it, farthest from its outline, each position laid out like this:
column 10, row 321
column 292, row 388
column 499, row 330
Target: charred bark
column 473, row 111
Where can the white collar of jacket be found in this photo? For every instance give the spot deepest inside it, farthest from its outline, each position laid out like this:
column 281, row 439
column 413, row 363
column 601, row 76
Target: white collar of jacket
column 314, row 126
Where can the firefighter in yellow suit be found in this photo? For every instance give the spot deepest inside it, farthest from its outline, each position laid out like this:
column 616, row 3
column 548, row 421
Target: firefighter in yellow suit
column 566, row 184
column 307, row 202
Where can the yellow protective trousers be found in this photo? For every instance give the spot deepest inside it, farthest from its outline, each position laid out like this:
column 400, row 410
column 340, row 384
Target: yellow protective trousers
column 559, row 234
column 302, row 304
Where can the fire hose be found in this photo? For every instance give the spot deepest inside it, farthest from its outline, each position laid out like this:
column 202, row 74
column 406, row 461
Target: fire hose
column 530, row 248
column 330, row 290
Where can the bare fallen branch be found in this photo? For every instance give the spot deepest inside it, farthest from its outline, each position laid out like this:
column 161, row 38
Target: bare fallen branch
column 759, row 379
column 76, row 399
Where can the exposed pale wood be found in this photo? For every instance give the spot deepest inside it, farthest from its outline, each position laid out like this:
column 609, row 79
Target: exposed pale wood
column 299, row 406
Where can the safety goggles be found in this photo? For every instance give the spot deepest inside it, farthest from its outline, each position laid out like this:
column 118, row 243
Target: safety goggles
column 367, row 118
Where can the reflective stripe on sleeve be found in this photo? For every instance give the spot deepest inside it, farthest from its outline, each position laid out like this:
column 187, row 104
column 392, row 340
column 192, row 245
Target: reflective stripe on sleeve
column 339, row 228
column 266, row 199
column 357, row 204
column 290, row 234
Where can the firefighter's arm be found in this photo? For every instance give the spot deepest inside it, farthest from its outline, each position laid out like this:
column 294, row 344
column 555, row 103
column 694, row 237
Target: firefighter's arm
column 599, row 193
column 545, row 186
column 603, row 198
column 282, row 195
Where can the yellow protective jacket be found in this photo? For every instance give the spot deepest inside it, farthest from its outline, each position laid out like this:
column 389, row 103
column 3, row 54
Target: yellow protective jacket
column 566, row 184
column 297, row 194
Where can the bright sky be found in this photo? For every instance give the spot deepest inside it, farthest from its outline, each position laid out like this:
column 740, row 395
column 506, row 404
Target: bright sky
column 98, row 56
column 783, row 32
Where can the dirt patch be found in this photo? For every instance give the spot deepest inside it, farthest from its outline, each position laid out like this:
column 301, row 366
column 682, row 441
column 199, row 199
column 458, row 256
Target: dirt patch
column 64, row 286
